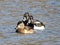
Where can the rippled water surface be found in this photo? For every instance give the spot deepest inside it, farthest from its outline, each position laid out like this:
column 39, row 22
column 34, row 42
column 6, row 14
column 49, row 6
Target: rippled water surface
column 47, row 11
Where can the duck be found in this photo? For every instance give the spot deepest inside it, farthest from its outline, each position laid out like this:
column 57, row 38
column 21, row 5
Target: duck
column 26, row 16
column 38, row 25
column 23, row 28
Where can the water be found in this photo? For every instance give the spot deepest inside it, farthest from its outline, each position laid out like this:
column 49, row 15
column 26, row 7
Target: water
column 47, row 11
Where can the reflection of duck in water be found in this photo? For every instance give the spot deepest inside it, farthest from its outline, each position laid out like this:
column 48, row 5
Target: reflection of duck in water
column 37, row 24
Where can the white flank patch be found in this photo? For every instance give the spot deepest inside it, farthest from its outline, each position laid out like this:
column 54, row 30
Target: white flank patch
column 39, row 28
column 36, row 22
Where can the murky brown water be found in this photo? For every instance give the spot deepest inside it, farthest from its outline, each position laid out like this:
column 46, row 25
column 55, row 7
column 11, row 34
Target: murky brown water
column 47, row 11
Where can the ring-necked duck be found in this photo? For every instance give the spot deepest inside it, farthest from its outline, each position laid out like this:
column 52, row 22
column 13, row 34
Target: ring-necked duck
column 22, row 28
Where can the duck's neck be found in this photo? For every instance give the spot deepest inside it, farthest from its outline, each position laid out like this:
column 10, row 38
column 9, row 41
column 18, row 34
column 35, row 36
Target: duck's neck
column 30, row 20
column 25, row 18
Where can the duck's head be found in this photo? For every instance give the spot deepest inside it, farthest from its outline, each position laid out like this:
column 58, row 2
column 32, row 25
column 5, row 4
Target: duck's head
column 30, row 20
column 31, row 17
column 26, row 16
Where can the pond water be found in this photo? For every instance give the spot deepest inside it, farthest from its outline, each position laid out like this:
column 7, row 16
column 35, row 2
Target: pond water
column 47, row 11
